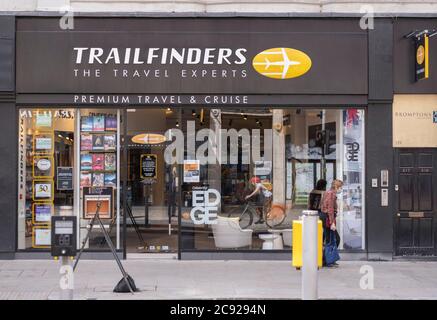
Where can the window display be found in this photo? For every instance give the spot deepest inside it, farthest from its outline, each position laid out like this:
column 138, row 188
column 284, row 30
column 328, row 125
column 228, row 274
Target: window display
column 289, row 151
column 243, row 176
column 353, row 176
column 98, row 174
column 46, row 145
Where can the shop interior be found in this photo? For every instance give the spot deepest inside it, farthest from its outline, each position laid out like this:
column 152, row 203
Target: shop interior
column 73, row 158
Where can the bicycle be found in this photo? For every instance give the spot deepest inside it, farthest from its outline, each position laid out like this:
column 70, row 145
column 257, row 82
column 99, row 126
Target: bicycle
column 249, row 211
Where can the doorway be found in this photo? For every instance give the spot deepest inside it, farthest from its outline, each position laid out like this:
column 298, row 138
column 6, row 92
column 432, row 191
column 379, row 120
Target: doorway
column 415, row 217
column 151, row 184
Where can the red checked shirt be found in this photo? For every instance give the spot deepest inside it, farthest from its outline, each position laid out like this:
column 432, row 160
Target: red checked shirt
column 329, row 206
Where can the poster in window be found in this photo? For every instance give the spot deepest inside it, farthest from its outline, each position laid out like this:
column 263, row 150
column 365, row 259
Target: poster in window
column 98, row 143
column 109, row 142
column 42, row 167
column 43, row 119
column 41, row 237
column 42, row 190
column 191, row 171
column 43, row 143
column 148, row 164
column 85, row 179
column 42, row 212
column 110, row 180
column 110, row 161
column 263, row 168
column 86, row 141
column 94, row 196
column 86, row 123
column 98, row 162
column 99, row 123
column 110, row 123
column 86, row 162
column 64, row 178
column 98, row 180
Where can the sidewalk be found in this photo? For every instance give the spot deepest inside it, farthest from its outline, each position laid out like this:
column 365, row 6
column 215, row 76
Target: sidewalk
column 172, row 279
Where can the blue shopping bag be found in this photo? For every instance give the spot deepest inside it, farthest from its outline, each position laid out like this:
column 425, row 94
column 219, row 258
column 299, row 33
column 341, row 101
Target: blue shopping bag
column 330, row 250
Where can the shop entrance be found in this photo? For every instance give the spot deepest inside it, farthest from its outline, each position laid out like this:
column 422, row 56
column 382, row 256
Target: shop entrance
column 415, row 218
column 151, row 220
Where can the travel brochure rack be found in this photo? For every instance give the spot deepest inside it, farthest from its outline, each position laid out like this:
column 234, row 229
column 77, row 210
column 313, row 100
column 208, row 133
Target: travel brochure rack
column 42, row 180
column 98, row 166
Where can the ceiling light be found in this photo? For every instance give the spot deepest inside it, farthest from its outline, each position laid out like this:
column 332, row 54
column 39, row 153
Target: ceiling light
column 149, row 138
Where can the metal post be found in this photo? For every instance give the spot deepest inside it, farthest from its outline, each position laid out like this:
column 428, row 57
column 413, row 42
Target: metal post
column 146, row 205
column 309, row 255
column 66, row 282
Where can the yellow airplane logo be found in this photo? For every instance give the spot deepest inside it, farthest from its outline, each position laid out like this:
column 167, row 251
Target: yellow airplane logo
column 281, row 63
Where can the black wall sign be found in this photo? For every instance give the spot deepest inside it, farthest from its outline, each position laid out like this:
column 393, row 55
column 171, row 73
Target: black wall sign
column 148, row 166
column 421, row 58
column 188, row 56
column 64, row 178
column 404, row 57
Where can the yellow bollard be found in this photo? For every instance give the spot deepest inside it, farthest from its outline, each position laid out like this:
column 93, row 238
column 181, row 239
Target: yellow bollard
column 297, row 244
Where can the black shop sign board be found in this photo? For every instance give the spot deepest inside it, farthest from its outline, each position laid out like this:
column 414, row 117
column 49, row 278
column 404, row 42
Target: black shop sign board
column 148, row 166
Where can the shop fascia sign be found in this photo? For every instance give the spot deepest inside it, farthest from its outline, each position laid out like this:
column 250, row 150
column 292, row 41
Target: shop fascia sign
column 275, row 63
column 421, row 52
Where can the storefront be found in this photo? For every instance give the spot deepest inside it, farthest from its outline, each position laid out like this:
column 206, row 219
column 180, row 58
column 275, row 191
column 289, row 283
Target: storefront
column 171, row 123
column 415, row 139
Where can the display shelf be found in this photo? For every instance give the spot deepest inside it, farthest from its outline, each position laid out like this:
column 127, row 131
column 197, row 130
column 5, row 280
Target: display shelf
column 98, row 171
column 98, row 151
column 98, row 132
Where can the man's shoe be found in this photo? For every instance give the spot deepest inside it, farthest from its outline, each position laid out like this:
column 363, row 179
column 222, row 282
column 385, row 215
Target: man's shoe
column 333, row 265
column 259, row 221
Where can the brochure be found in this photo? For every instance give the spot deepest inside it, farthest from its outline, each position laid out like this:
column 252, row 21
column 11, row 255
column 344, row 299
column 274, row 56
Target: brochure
column 109, row 142
column 111, row 123
column 44, row 119
column 86, row 141
column 98, row 162
column 43, row 190
column 86, row 162
column 110, row 180
column 86, row 123
column 98, row 142
column 98, row 179
column 110, row 161
column 85, row 179
column 43, row 144
column 99, row 123
column 43, row 212
column 42, row 236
